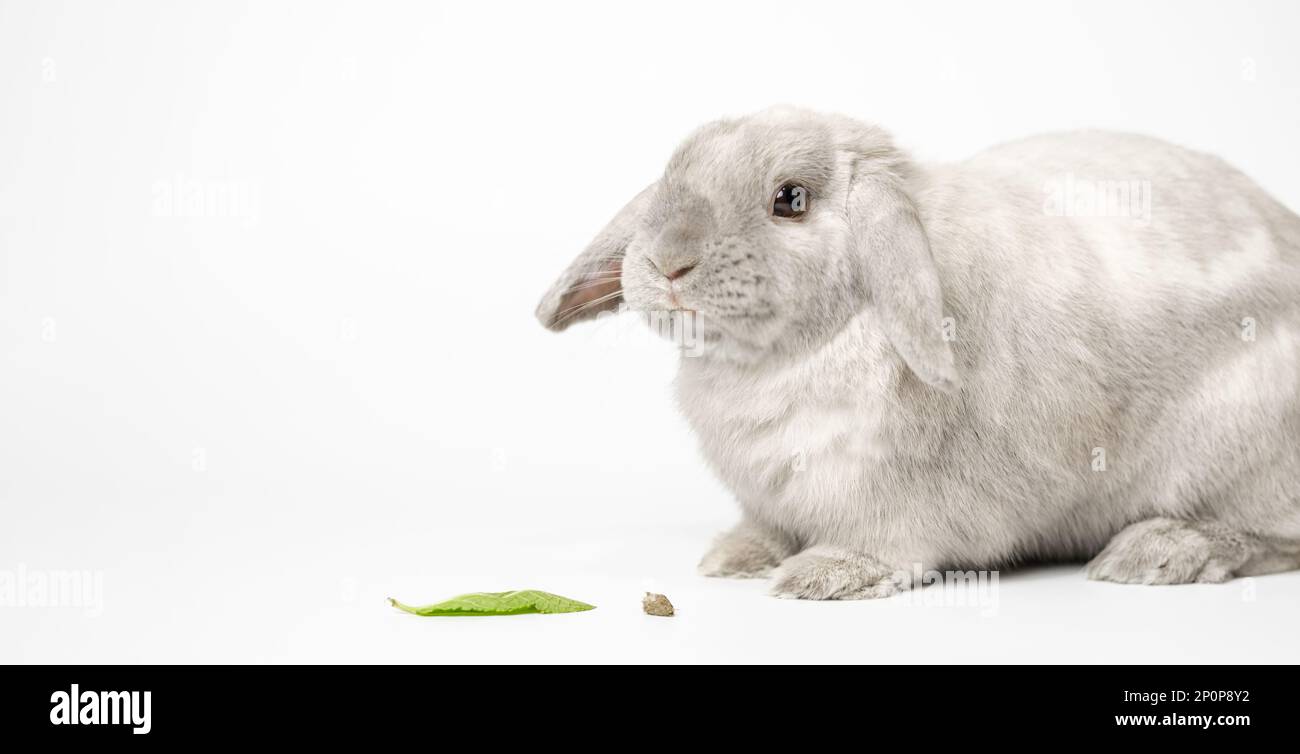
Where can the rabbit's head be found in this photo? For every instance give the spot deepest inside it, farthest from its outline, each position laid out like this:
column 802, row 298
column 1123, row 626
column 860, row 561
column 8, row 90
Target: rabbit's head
column 776, row 230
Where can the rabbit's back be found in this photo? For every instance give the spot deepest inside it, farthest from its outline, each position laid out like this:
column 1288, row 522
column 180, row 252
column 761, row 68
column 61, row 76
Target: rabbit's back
column 1143, row 203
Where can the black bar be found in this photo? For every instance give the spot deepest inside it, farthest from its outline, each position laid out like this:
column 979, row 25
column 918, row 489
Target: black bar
column 428, row 704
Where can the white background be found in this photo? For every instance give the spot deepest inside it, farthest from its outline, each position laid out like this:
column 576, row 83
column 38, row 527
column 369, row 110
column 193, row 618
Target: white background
column 259, row 412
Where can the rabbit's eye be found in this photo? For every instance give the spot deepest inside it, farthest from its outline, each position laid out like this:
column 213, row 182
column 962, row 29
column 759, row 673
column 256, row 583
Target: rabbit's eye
column 791, row 200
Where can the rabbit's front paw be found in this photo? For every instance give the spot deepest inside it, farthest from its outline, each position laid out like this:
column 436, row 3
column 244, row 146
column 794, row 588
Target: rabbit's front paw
column 746, row 552
column 827, row 573
column 1169, row 551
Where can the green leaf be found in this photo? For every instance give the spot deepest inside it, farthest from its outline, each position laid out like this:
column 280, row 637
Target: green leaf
column 499, row 603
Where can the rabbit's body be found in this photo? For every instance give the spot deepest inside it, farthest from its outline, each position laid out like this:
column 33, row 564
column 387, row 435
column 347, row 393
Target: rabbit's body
column 1098, row 391
column 1129, row 362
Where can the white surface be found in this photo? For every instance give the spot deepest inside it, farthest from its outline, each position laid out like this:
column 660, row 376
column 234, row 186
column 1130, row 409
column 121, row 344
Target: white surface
column 316, row 593
column 259, row 416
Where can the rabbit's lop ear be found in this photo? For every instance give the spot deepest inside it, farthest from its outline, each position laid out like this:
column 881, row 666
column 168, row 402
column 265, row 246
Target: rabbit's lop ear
column 901, row 274
column 593, row 282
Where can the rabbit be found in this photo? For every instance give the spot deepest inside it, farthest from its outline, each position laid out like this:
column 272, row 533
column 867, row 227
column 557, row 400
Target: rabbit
column 1074, row 346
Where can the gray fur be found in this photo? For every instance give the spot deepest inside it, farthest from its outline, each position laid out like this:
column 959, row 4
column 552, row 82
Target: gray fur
column 929, row 366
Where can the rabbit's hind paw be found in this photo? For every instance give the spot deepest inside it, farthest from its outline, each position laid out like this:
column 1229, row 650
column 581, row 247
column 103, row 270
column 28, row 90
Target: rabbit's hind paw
column 1170, row 551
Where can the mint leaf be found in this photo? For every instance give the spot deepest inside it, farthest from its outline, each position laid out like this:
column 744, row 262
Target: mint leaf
column 498, row 603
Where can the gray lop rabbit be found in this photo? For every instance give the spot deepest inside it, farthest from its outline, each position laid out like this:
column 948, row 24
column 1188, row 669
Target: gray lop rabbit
column 1083, row 345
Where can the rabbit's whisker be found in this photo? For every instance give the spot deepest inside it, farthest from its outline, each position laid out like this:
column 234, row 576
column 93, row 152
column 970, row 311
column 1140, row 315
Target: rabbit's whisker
column 574, row 310
column 592, row 284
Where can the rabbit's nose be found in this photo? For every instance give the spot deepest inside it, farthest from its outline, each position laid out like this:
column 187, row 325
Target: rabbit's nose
column 679, row 271
column 673, row 268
